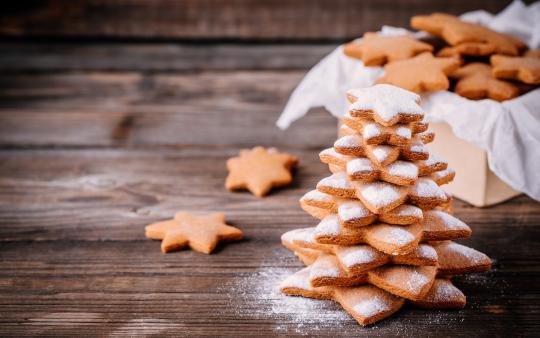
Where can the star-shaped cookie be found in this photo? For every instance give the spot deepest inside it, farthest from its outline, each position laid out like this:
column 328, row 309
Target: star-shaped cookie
column 386, row 104
column 467, row 48
column 475, row 81
column 200, row 233
column 376, row 49
column 524, row 69
column 259, row 169
column 533, row 53
column 398, row 172
column 422, row 73
column 357, row 259
column 456, row 32
column 354, row 145
column 367, row 303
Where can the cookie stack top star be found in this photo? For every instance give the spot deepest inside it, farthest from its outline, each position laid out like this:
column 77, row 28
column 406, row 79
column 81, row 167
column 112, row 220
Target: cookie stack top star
column 386, row 230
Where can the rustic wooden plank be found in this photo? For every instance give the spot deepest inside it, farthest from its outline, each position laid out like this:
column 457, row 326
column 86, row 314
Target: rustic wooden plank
column 122, row 190
column 73, row 257
column 119, row 189
column 135, row 108
column 219, row 19
column 130, row 287
column 142, row 56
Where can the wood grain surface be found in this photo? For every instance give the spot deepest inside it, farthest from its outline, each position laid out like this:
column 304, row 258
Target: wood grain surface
column 100, row 138
column 74, row 259
column 220, row 19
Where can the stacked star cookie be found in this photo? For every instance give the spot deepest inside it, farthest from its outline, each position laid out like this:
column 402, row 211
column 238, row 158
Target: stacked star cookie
column 386, row 232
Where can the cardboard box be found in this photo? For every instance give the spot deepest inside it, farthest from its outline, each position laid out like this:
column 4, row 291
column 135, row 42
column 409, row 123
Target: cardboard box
column 474, row 183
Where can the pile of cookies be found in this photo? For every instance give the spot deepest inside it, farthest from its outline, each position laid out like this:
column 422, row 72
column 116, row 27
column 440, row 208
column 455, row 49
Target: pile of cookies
column 386, row 230
column 472, row 60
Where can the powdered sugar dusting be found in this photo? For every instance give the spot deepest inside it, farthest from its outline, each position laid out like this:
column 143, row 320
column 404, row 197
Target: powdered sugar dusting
column 316, row 195
column 403, row 169
column 298, row 280
column 426, row 187
column 331, row 152
column 301, row 235
column 380, row 193
column 255, row 295
column 448, row 220
column 381, row 152
column 325, row 267
column 443, row 173
column 386, row 101
column 405, row 210
column 337, row 180
column 426, row 251
column 470, row 254
column 370, row 307
column 371, row 130
column 399, row 236
column 352, row 210
column 348, row 141
column 328, row 226
column 356, row 255
column 433, row 159
column 359, row 165
column 404, row 132
column 416, row 281
column 444, row 291
column 419, row 148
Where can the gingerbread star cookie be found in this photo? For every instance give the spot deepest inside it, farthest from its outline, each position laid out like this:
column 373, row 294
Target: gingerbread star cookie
column 376, row 49
column 352, row 145
column 422, row 73
column 455, row 32
column 367, row 303
column 533, row 53
column 475, row 81
column 260, row 169
column 381, row 197
column 524, row 69
column 466, row 49
column 200, row 233
column 385, row 104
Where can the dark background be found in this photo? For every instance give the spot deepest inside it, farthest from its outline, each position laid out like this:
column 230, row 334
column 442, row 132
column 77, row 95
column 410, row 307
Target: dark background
column 116, row 114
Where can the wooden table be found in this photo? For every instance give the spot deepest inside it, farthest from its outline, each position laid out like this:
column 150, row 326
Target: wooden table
column 100, row 138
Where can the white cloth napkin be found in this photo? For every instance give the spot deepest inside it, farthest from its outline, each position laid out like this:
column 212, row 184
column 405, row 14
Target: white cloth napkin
column 508, row 131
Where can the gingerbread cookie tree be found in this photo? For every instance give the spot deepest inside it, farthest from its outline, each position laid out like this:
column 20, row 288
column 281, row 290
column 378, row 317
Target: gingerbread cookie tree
column 386, row 230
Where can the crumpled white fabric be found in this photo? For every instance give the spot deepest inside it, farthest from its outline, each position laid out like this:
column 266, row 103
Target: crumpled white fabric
column 509, row 131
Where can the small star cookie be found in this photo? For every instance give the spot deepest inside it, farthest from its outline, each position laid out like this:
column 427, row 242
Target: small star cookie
column 524, row 69
column 386, row 104
column 200, row 233
column 422, row 73
column 260, row 169
column 455, row 32
column 467, row 48
column 475, row 81
column 376, row 49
